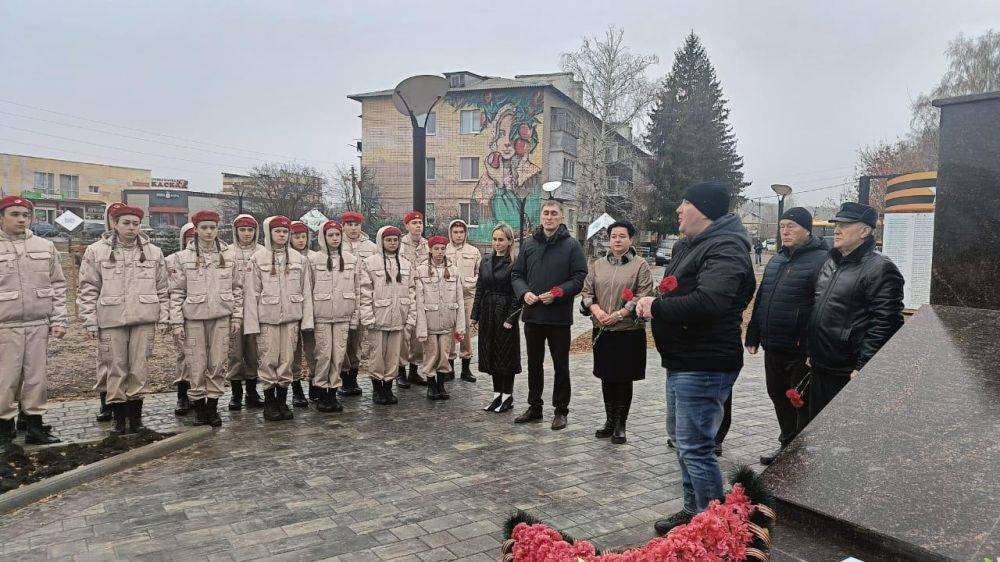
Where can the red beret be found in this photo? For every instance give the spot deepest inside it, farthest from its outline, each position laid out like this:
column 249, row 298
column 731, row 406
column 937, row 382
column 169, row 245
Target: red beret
column 352, row 216
column 245, row 220
column 412, row 215
column 279, row 221
column 332, row 224
column 391, row 231
column 435, row 240
column 202, row 216
column 122, row 210
column 15, row 201
column 299, row 227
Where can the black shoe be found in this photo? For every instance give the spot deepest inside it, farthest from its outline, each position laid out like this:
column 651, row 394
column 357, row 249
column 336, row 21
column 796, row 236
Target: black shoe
column 34, row 433
column 670, row 443
column 401, row 378
column 271, row 410
column 135, row 416
column 532, row 414
column 282, row 396
column 7, row 433
column 768, row 459
column 313, row 394
column 442, row 391
column 467, row 375
column 253, row 399
column 236, row 402
column 390, row 398
column 432, row 389
column 120, row 414
column 331, row 399
column 183, row 406
column 663, row 526
column 104, row 414
column 618, row 437
column 22, row 423
column 350, row 387
column 323, row 401
column 607, row 430
column 718, row 450
column 298, row 397
column 378, row 394
column 559, row 422
column 492, row 406
column 450, row 375
column 414, row 376
column 214, row 419
column 506, row 406
column 200, row 412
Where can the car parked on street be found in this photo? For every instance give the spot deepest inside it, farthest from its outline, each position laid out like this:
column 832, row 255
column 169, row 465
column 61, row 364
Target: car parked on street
column 44, row 229
column 664, row 250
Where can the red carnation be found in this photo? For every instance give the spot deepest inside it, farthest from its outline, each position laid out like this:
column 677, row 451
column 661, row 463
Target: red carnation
column 668, row 284
column 627, row 295
column 458, row 337
column 557, row 292
column 795, row 398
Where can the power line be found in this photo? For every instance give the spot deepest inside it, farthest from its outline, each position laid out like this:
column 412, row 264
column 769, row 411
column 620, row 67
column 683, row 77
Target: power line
column 823, row 188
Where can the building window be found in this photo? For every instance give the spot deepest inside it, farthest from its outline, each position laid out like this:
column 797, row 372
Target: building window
column 470, row 122
column 431, row 167
column 430, row 216
column 432, row 123
column 468, row 168
column 569, row 170
column 45, row 182
column 456, row 81
column 564, row 120
column 69, row 186
column 469, row 212
column 94, row 189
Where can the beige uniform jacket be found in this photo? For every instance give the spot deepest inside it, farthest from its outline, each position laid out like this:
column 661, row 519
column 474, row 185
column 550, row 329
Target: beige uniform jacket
column 124, row 292
column 32, row 285
column 440, row 302
column 334, row 292
column 608, row 278
column 361, row 248
column 383, row 305
column 415, row 253
column 205, row 290
column 285, row 296
column 467, row 258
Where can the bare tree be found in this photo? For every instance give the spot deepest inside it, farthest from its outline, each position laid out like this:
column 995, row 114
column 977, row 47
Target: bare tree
column 287, row 189
column 616, row 90
column 352, row 190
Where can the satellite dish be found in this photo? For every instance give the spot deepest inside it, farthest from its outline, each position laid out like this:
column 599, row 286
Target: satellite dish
column 551, row 186
column 416, row 95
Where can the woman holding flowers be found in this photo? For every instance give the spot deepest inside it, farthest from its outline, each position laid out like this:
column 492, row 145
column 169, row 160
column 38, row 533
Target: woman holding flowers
column 609, row 296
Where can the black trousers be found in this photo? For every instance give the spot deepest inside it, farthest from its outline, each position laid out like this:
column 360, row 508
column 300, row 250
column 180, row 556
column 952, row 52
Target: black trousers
column 535, row 336
column 504, row 384
column 617, row 398
column 783, row 371
column 727, row 420
column 823, row 387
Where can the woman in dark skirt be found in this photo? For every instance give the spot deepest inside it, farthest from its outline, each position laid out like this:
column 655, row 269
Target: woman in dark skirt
column 612, row 287
column 495, row 312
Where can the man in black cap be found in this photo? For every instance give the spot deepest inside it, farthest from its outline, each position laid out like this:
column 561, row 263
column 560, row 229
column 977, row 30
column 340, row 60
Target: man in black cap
column 780, row 314
column 859, row 305
column 696, row 325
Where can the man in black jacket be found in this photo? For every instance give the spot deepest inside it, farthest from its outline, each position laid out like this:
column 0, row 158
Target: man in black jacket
column 780, row 316
column 550, row 258
column 859, row 305
column 696, row 325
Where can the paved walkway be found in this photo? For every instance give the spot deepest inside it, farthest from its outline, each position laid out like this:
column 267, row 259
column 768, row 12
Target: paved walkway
column 418, row 481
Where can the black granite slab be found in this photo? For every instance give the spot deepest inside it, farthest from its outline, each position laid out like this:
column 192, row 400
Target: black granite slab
column 908, row 454
column 966, row 261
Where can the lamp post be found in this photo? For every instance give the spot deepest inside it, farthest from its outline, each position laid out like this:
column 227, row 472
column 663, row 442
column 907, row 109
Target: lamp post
column 783, row 191
column 415, row 97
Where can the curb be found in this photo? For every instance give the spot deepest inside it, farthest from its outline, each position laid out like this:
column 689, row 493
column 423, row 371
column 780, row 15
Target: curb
column 31, row 493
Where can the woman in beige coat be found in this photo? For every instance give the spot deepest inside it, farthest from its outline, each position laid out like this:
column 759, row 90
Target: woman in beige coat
column 440, row 315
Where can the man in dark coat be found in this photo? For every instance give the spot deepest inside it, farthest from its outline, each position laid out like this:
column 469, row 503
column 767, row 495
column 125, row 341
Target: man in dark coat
column 859, row 305
column 697, row 327
column 551, row 258
column 780, row 316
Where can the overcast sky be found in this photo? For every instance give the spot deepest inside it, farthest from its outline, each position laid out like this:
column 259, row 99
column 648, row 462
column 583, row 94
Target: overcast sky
column 231, row 84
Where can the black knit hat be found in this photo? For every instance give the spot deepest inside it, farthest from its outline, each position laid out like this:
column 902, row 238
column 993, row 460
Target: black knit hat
column 800, row 216
column 709, row 197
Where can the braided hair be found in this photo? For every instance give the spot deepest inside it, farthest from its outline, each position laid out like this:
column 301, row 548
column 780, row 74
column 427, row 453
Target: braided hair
column 114, row 246
column 218, row 247
column 329, row 257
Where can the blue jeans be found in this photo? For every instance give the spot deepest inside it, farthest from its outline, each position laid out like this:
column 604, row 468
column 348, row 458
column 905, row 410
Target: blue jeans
column 695, row 401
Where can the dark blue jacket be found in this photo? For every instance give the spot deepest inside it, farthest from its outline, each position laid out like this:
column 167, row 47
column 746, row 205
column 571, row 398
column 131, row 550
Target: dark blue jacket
column 785, row 299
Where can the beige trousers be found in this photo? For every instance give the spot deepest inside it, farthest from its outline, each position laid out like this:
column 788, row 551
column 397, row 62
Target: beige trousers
column 124, row 352
column 331, row 353
column 243, row 360
column 102, row 377
column 206, row 343
column 465, row 348
column 410, row 350
column 22, row 370
column 306, row 345
column 275, row 350
column 354, row 339
column 437, row 349
column 180, row 367
column 383, row 353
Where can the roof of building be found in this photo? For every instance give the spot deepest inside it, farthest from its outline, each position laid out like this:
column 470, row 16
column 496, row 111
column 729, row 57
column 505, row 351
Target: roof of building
column 75, row 161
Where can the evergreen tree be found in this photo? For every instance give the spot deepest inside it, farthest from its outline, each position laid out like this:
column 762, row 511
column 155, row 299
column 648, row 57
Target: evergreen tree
column 689, row 134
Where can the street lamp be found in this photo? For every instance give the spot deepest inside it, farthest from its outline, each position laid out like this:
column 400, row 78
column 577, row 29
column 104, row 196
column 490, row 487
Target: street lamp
column 783, row 191
column 415, row 97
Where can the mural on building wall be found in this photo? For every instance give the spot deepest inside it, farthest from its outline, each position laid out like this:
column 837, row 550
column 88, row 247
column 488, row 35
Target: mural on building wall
column 510, row 168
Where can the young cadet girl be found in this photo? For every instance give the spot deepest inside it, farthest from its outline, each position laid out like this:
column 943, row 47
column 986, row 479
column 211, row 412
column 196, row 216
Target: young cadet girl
column 242, row 369
column 104, row 414
column 386, row 309
column 183, row 381
column 440, row 315
column 335, row 311
column 300, row 241
column 206, row 308
column 277, row 303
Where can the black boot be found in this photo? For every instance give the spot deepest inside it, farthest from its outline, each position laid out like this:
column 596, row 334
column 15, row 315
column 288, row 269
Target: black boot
column 506, row 405
column 663, row 526
column 7, row 434
column 313, row 395
column 609, row 423
column 200, row 412
column 212, row 406
column 401, row 378
column 450, row 375
column 183, row 407
column 618, row 438
column 467, row 375
column 350, row 387
column 253, row 399
column 271, row 410
column 104, row 414
column 298, row 397
column 34, row 434
column 390, row 398
column 331, row 400
column 135, row 416
column 282, row 394
column 432, row 389
column 22, row 423
column 378, row 395
column 414, row 376
column 236, row 401
column 492, row 406
column 120, row 413
column 442, row 391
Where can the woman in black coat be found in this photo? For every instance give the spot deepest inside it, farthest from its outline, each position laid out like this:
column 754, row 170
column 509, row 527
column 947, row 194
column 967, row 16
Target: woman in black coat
column 495, row 312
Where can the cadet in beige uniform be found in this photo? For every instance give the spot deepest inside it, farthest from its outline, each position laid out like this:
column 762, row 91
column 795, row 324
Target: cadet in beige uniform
column 440, row 315
column 32, row 306
column 386, row 309
column 102, row 373
column 467, row 259
column 183, row 381
column 206, row 308
column 277, row 303
column 356, row 243
column 335, row 310
column 243, row 363
column 306, row 345
column 122, row 296
column 413, row 247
